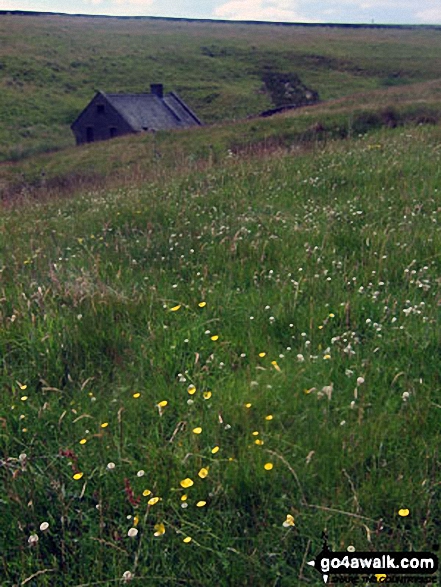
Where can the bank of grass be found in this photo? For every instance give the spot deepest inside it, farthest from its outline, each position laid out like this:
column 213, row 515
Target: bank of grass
column 298, row 295
column 51, row 67
column 135, row 159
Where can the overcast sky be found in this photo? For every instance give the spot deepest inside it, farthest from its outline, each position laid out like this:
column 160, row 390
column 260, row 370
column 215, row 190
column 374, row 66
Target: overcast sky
column 343, row 11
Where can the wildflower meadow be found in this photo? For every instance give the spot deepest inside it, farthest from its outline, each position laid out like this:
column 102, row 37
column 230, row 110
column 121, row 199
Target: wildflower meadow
column 202, row 375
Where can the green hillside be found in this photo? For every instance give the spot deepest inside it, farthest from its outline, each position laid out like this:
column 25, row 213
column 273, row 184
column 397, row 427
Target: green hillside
column 219, row 344
column 51, row 67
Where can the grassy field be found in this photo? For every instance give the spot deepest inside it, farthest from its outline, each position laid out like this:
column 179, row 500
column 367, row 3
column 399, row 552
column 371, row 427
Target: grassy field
column 188, row 362
column 218, row 344
column 51, row 67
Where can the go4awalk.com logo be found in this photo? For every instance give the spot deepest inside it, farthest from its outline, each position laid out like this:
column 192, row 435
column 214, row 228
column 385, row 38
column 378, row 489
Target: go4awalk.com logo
column 380, row 566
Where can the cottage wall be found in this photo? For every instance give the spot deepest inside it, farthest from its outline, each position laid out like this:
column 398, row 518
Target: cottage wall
column 99, row 121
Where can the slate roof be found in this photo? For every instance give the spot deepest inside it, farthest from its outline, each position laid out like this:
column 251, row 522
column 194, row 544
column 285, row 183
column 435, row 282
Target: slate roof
column 149, row 111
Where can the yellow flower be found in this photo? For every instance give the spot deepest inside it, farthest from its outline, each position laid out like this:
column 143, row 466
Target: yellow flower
column 207, row 394
column 200, row 504
column 22, row 386
column 186, row 483
column 24, row 398
column 197, row 430
column 203, row 473
column 332, row 315
column 258, row 442
column 269, row 417
column 403, row 512
column 104, row 424
column 83, row 441
column 311, row 389
column 191, row 389
column 261, row 355
column 320, row 327
column 184, row 497
column 268, row 466
column 77, row 476
column 326, row 357
column 248, row 405
column 146, row 492
column 289, row 521
column 187, row 539
column 136, row 395
column 215, row 337
column 215, row 449
column 159, row 529
column 163, row 403
column 276, row 366
column 202, row 304
column 255, row 433
column 135, row 521
column 153, row 500
column 175, row 308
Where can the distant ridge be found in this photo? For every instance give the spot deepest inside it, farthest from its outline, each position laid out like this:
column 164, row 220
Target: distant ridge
column 221, row 21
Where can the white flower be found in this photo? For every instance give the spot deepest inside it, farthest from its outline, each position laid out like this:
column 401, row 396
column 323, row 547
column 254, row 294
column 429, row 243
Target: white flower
column 44, row 526
column 360, row 380
column 127, row 576
column 140, row 473
column 33, row 539
column 132, row 532
column 300, row 358
column 110, row 466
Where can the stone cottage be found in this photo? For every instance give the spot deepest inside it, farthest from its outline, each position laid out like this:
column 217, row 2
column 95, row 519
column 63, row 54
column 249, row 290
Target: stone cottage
column 113, row 115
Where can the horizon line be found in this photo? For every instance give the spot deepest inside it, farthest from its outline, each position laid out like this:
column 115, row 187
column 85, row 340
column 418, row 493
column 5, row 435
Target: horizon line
column 217, row 20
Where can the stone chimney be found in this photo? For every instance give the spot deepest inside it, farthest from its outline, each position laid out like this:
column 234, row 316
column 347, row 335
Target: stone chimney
column 157, row 90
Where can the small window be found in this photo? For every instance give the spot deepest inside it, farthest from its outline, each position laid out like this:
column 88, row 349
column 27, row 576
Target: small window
column 113, row 132
column 100, row 108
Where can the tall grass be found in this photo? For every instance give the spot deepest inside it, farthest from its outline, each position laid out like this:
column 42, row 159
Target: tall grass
column 284, row 309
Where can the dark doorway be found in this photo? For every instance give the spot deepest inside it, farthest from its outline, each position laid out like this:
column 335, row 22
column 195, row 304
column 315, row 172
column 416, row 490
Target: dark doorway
column 113, row 132
column 89, row 134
